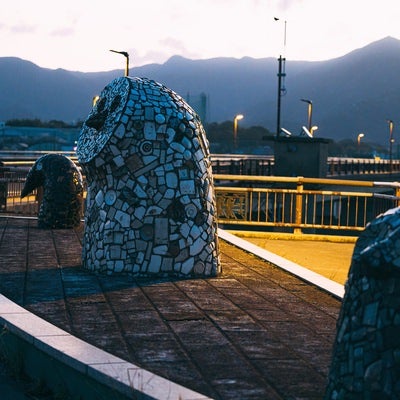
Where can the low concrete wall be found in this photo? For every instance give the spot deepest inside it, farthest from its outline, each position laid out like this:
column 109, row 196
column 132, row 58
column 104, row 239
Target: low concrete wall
column 68, row 365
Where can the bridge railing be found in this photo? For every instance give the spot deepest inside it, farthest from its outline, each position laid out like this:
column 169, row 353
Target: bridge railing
column 340, row 166
column 263, row 202
column 12, row 181
column 240, row 164
column 301, row 205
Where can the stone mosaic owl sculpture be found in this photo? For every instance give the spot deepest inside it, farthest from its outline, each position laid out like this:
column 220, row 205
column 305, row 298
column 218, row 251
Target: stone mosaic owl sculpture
column 61, row 206
column 366, row 354
column 150, row 207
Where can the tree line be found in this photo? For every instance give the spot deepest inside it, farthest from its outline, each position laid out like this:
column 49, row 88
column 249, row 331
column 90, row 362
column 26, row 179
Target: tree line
column 250, row 140
column 37, row 123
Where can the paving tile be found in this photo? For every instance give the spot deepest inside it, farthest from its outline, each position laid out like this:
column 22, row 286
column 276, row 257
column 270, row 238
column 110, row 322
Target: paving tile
column 148, row 383
column 298, row 378
column 249, row 388
column 175, row 371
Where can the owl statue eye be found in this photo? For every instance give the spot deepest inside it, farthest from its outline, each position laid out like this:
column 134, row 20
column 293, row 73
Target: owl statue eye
column 115, row 103
column 101, row 104
column 102, row 120
column 97, row 120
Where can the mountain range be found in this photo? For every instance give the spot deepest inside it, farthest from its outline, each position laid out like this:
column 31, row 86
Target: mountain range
column 358, row 92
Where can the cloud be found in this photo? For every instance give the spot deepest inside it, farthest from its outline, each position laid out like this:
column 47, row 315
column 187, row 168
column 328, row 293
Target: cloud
column 173, row 44
column 177, row 47
column 164, row 49
column 63, row 32
column 284, row 5
column 149, row 57
column 22, row 28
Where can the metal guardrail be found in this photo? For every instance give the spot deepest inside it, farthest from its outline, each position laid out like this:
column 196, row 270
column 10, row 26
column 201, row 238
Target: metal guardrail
column 339, row 166
column 263, row 202
column 301, row 204
column 239, row 164
column 12, row 181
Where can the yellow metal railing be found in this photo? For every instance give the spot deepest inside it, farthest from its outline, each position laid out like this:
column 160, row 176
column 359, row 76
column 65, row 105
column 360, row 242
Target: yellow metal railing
column 297, row 204
column 300, row 203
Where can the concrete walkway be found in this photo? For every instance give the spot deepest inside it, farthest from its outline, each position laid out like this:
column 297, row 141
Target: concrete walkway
column 326, row 255
column 255, row 332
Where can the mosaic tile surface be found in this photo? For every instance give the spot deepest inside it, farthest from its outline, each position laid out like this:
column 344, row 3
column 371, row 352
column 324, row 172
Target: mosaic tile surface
column 61, row 206
column 366, row 355
column 150, row 207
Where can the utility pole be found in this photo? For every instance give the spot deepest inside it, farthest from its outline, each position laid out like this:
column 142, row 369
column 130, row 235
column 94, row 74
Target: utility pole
column 281, row 90
column 391, row 140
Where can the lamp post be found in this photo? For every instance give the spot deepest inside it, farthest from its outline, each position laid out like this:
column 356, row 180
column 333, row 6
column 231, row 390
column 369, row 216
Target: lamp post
column 95, row 100
column 309, row 114
column 313, row 129
column 235, row 128
column 359, row 136
column 126, row 55
column 391, row 140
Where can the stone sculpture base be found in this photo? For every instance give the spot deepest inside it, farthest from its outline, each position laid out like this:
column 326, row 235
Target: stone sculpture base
column 150, row 204
column 60, row 182
column 366, row 356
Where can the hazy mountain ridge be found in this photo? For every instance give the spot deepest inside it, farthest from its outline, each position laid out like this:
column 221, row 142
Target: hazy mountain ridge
column 351, row 94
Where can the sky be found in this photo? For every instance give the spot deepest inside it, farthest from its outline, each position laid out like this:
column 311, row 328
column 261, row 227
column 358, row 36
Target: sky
column 77, row 35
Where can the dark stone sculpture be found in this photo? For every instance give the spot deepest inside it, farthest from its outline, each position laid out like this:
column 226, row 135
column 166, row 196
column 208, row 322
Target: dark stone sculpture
column 61, row 206
column 150, row 207
column 366, row 355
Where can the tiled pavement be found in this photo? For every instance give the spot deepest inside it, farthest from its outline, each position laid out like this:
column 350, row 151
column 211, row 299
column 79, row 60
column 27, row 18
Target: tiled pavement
column 255, row 332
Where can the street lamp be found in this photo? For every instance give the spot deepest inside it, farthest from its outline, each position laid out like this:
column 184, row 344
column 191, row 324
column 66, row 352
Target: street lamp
column 391, row 140
column 126, row 55
column 309, row 113
column 313, row 128
column 360, row 135
column 235, row 128
column 95, row 100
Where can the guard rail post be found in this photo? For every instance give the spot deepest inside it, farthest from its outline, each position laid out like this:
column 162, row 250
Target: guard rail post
column 299, row 205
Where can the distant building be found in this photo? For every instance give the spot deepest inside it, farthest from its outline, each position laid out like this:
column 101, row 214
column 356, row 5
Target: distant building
column 199, row 103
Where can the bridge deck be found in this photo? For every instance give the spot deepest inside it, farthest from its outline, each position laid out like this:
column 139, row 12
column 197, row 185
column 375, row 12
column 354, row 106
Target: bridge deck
column 255, row 332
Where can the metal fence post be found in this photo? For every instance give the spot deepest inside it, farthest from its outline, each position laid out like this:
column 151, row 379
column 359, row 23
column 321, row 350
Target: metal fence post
column 299, row 205
column 398, row 195
column 3, row 195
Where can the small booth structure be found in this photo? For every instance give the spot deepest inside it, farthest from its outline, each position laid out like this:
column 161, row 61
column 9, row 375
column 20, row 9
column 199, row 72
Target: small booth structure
column 301, row 156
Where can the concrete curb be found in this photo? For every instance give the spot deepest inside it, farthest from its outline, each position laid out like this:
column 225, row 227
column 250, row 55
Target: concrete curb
column 69, row 364
column 305, row 274
column 293, row 236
